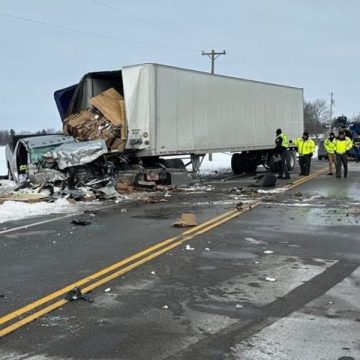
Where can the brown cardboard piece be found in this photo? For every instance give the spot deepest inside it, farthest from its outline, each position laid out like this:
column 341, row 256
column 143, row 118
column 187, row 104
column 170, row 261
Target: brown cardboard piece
column 105, row 120
column 87, row 125
column 24, row 197
column 111, row 104
column 186, row 220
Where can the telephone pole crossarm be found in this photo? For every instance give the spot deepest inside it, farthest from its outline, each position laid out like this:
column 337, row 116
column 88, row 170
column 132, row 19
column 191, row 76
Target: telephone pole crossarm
column 213, row 55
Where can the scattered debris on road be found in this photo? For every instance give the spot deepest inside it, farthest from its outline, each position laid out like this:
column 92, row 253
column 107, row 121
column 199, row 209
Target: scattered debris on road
column 76, row 294
column 268, row 252
column 271, row 279
column 189, row 248
column 80, row 222
column 186, row 220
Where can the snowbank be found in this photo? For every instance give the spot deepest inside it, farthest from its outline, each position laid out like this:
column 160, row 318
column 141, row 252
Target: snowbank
column 3, row 167
column 7, row 186
column 15, row 210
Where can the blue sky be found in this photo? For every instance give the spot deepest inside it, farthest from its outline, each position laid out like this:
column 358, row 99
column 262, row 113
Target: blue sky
column 313, row 44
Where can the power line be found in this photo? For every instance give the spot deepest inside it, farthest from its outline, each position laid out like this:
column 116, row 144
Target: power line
column 145, row 21
column 110, row 37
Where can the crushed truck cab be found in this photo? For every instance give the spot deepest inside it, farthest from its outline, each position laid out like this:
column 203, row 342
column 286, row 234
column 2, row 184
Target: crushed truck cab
column 49, row 158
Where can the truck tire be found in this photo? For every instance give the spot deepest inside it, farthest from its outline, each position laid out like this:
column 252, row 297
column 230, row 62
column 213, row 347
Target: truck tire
column 237, row 163
column 250, row 167
column 292, row 160
column 273, row 166
column 168, row 163
column 179, row 164
column 124, row 166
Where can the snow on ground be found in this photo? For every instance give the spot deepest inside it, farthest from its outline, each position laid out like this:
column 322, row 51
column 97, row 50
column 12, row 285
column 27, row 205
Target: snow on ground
column 221, row 163
column 3, row 168
column 7, row 187
column 16, row 210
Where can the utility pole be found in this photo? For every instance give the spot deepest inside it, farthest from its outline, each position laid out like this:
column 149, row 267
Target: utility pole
column 331, row 105
column 213, row 55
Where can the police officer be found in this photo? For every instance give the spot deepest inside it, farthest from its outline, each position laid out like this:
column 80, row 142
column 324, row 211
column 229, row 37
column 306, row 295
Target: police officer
column 343, row 144
column 281, row 148
column 305, row 148
column 329, row 145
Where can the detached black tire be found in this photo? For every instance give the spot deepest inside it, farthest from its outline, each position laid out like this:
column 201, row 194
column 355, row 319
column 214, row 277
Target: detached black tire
column 292, row 160
column 237, row 164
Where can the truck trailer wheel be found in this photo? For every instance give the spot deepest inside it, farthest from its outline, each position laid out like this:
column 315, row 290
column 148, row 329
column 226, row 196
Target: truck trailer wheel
column 250, row 167
column 292, row 160
column 273, row 166
column 179, row 164
column 237, row 163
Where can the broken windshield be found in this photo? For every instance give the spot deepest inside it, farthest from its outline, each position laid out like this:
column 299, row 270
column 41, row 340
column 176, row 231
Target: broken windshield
column 36, row 154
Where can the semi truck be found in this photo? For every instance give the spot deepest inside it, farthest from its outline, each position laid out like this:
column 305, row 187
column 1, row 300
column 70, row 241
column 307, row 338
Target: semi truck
column 175, row 111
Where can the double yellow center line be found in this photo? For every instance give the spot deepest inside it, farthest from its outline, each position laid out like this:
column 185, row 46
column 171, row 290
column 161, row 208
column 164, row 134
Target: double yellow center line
column 55, row 300
column 28, row 313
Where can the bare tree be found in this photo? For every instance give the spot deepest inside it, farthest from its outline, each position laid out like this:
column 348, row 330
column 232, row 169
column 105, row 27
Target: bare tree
column 356, row 118
column 316, row 115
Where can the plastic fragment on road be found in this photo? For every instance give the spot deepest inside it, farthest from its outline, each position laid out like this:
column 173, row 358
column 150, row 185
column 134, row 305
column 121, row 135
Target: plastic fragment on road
column 186, row 220
column 76, row 294
column 107, row 290
column 165, row 307
column 239, row 306
column 207, row 249
column 188, row 247
column 269, row 278
column 268, row 252
column 153, row 272
column 81, row 222
column 254, row 241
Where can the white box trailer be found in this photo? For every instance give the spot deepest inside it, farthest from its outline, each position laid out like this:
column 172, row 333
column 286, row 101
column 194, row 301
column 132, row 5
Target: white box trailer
column 174, row 111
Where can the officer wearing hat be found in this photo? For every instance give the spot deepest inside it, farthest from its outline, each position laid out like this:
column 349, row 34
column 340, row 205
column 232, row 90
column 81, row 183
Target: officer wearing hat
column 281, row 148
column 305, row 148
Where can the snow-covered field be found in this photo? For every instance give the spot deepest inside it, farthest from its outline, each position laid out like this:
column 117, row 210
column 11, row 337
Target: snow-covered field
column 3, row 168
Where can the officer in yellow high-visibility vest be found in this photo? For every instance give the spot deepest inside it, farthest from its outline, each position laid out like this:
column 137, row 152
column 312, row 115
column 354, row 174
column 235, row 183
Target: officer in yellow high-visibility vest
column 342, row 145
column 305, row 148
column 281, row 148
column 329, row 145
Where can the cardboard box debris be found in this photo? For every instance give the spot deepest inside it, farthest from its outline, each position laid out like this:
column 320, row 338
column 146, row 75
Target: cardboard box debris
column 24, row 197
column 88, row 125
column 123, row 187
column 186, row 220
column 105, row 120
column 111, row 104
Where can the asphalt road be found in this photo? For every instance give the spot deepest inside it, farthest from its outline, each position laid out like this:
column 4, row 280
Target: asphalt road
column 214, row 301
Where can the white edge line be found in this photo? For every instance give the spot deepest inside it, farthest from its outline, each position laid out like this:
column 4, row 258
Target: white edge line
column 37, row 223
